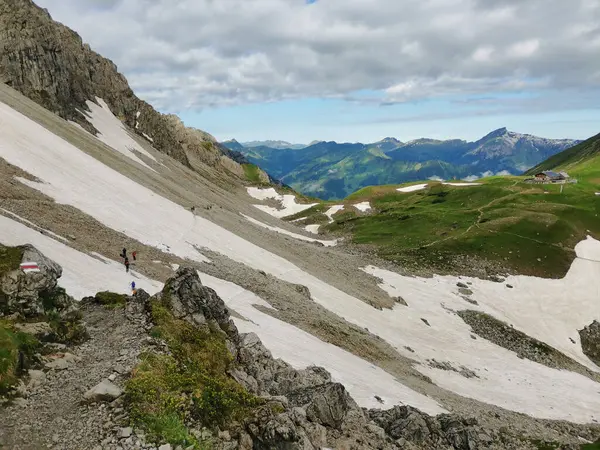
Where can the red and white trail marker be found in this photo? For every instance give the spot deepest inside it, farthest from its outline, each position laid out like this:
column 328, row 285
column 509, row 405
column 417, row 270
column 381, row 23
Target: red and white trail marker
column 28, row 267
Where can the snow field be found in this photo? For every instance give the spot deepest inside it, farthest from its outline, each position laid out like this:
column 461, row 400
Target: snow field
column 75, row 178
column 112, row 131
column 85, row 275
column 539, row 307
column 300, row 237
column 300, row 349
column 289, row 206
column 413, row 188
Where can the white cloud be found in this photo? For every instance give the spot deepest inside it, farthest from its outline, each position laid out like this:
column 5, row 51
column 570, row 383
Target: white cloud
column 483, row 54
column 524, row 49
column 182, row 54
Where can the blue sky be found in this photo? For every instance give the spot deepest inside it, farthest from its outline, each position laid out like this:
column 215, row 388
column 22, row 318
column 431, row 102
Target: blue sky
column 355, row 70
column 302, row 121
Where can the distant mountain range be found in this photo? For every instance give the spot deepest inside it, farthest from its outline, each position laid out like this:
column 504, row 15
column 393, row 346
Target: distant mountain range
column 332, row 170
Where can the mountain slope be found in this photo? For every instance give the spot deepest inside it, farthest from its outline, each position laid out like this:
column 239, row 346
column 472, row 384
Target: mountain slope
column 50, row 64
column 578, row 155
column 332, row 170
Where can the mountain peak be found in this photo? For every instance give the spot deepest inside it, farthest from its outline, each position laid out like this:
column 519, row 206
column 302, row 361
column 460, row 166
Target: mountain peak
column 496, row 133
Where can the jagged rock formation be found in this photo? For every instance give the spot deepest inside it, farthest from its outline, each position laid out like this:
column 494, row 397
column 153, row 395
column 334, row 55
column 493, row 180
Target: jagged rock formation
column 590, row 341
column 313, row 411
column 50, row 64
column 32, row 294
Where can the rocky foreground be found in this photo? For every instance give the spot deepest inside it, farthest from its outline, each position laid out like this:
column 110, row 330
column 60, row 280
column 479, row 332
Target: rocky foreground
column 172, row 371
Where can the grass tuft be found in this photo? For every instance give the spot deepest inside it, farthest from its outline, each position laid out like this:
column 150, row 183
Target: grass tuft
column 16, row 349
column 111, row 299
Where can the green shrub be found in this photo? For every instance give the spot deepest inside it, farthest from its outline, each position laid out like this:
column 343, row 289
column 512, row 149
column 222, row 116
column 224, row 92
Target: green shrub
column 50, row 299
column 252, row 173
column 10, row 258
column 67, row 329
column 12, row 344
column 111, row 299
column 166, row 391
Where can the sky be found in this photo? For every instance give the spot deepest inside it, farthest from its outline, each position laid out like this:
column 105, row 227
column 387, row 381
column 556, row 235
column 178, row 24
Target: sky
column 355, row 70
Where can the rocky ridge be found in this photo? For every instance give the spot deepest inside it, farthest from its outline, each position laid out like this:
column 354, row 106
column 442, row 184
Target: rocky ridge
column 50, row 64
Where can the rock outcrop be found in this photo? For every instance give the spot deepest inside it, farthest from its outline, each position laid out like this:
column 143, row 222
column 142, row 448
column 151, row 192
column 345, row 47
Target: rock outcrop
column 31, row 294
column 50, row 64
column 590, row 341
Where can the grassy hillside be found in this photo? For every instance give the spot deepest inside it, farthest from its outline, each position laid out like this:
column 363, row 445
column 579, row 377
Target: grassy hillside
column 573, row 158
column 503, row 225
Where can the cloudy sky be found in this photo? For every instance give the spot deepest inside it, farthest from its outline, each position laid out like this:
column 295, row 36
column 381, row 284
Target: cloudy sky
column 355, row 70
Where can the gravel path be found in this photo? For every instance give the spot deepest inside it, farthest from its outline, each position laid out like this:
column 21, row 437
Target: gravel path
column 53, row 415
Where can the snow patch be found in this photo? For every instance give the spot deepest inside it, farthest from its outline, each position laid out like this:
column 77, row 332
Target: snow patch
column 113, row 133
column 289, row 206
column 333, row 210
column 463, row 184
column 289, row 233
column 362, row 379
column 313, row 228
column 413, row 188
column 148, row 137
column 363, row 206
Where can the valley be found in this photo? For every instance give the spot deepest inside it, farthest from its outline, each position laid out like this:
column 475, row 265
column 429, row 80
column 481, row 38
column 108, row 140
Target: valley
column 331, row 170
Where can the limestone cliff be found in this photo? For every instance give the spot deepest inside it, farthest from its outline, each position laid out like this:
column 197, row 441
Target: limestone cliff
column 50, row 64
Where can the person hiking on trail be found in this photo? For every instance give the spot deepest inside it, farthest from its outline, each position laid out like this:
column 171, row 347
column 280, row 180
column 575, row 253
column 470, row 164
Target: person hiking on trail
column 124, row 253
column 134, row 255
column 133, row 291
column 126, row 264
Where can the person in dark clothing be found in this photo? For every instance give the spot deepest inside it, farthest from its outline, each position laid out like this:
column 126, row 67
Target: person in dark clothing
column 133, row 254
column 123, row 253
column 126, row 264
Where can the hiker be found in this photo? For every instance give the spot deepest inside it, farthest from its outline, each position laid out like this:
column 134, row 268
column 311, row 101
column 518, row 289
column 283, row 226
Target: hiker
column 126, row 264
column 124, row 253
column 133, row 290
column 134, row 255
